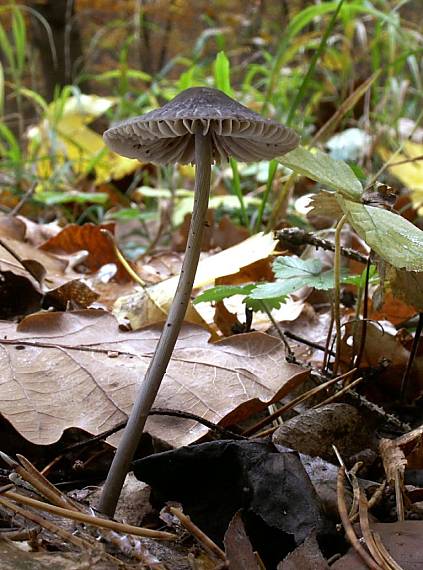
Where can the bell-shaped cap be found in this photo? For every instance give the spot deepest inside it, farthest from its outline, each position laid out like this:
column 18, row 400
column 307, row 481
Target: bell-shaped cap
column 166, row 135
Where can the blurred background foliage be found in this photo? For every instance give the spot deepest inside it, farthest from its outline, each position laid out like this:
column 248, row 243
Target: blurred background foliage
column 347, row 75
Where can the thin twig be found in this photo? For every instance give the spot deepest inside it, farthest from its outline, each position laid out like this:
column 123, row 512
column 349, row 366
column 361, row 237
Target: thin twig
column 305, row 341
column 375, row 498
column 208, row 544
column 411, row 357
column 367, row 533
column 364, row 319
column 349, row 530
column 268, row 419
column 337, row 290
column 338, row 394
column 297, row 236
column 156, row 412
column 31, row 475
column 48, row 525
column 15, row 211
column 89, row 519
column 290, row 355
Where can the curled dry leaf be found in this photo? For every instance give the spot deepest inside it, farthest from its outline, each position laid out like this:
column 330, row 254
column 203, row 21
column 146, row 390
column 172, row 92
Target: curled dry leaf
column 88, row 237
column 78, row 369
column 315, row 431
column 404, row 451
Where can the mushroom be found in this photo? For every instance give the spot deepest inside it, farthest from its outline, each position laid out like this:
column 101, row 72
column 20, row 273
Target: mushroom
column 201, row 125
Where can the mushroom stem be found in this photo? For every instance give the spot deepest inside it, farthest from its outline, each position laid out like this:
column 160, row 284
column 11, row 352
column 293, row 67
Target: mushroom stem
column 160, row 360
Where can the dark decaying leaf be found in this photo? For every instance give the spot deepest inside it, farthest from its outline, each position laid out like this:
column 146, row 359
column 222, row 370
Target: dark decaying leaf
column 19, row 295
column 214, row 480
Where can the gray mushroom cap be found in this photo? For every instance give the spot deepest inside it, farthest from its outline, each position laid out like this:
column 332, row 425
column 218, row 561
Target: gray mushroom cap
column 166, row 135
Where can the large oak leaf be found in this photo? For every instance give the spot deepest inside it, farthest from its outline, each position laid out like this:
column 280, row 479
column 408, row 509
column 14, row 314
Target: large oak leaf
column 63, row 370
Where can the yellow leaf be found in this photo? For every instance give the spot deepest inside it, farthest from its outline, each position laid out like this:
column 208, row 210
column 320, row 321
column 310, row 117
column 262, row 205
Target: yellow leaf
column 147, row 307
column 63, row 140
column 409, row 173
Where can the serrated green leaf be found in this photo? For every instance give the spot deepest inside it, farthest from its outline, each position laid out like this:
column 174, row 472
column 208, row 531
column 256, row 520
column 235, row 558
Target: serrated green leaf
column 324, row 169
column 293, row 266
column 264, row 305
column 276, row 290
column 221, row 292
column 391, row 236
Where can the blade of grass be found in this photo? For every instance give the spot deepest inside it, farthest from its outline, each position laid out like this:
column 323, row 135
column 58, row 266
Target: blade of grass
column 317, row 54
column 344, row 108
column 270, row 177
column 222, row 77
column 298, row 98
column 236, row 186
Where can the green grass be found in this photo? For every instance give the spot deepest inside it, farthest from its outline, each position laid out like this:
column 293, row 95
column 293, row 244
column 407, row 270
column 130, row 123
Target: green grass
column 317, row 60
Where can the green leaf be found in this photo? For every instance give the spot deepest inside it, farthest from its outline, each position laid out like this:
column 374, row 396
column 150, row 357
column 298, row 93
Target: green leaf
column 51, row 198
column 126, row 214
column 292, row 273
column 359, row 280
column 19, row 36
column 221, row 292
column 7, row 49
column 276, row 290
column 222, row 73
column 264, row 305
column 293, row 266
column 324, row 169
column 2, row 90
column 116, row 74
column 391, row 236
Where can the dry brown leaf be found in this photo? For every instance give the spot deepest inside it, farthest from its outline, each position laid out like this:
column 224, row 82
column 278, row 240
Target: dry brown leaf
column 386, row 353
column 325, row 204
column 12, row 227
column 238, row 549
column 88, row 237
column 314, row 431
column 78, row 369
column 408, row 286
column 36, row 234
column 307, row 556
column 393, row 310
column 222, row 234
column 226, row 321
column 404, row 451
column 402, row 540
